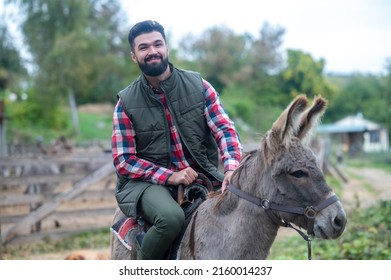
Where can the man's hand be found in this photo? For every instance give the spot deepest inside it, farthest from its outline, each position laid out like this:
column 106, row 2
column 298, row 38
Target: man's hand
column 226, row 181
column 185, row 177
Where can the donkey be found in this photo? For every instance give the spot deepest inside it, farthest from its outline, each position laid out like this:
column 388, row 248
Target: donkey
column 276, row 185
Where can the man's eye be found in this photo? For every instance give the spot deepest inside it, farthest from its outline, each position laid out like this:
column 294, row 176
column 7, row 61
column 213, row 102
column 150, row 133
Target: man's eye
column 299, row 174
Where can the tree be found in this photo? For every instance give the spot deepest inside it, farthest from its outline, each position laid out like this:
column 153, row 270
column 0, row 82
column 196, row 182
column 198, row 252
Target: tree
column 265, row 61
column 264, row 54
column 219, row 54
column 73, row 44
column 11, row 69
column 365, row 94
column 11, row 65
column 304, row 75
column 242, row 68
column 387, row 95
column 229, row 60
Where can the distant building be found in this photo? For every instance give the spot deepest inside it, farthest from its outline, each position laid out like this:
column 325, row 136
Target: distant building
column 356, row 134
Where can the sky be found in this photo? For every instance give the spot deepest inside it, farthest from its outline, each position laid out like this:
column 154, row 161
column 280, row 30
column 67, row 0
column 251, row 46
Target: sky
column 351, row 35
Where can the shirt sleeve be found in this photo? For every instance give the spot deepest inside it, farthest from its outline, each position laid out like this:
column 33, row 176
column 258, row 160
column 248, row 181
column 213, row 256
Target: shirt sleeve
column 124, row 152
column 223, row 129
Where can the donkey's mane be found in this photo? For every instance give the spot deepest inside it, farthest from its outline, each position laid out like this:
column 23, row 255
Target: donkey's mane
column 236, row 176
column 243, row 166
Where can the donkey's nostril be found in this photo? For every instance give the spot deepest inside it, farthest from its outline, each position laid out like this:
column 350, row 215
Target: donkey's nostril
column 339, row 222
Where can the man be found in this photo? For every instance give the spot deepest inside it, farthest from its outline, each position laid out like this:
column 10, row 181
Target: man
column 168, row 125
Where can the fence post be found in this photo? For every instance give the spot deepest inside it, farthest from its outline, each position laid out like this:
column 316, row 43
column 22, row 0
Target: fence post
column 3, row 145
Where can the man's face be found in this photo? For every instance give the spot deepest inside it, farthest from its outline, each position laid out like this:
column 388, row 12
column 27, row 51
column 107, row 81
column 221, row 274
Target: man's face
column 151, row 53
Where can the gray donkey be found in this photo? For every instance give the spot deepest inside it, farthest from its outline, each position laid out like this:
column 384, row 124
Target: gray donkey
column 276, row 185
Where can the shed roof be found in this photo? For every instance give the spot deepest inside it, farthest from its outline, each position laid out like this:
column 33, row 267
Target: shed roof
column 350, row 124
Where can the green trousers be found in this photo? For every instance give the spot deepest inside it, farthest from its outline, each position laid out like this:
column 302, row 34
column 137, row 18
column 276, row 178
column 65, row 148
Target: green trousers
column 159, row 208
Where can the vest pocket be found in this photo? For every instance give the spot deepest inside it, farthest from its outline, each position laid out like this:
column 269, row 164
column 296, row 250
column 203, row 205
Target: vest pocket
column 191, row 108
column 152, row 146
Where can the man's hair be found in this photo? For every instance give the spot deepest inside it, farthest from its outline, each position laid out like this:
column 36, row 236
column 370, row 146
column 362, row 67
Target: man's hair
column 144, row 27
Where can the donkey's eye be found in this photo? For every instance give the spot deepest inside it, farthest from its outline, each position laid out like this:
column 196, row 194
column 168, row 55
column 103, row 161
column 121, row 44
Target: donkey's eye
column 299, row 174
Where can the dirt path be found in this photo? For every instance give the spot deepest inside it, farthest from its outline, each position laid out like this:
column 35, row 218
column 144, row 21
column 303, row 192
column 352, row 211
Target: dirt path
column 366, row 186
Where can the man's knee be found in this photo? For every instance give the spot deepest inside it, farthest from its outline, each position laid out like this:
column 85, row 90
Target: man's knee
column 171, row 221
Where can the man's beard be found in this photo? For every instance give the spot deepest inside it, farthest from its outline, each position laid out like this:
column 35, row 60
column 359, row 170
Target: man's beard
column 154, row 70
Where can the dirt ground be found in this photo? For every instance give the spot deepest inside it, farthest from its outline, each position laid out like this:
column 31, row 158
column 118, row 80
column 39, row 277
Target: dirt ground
column 366, row 185
column 105, row 108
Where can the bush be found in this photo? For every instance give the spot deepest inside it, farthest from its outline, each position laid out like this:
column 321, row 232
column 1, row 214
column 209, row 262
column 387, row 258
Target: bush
column 366, row 237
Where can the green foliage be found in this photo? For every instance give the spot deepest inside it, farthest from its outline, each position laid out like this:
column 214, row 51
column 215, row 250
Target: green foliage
column 11, row 66
column 240, row 105
column 225, row 58
column 366, row 237
column 366, row 94
column 237, row 103
column 218, row 55
column 79, row 49
column 28, row 119
column 304, row 75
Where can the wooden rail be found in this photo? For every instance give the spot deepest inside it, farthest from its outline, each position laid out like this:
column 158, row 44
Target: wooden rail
column 52, row 196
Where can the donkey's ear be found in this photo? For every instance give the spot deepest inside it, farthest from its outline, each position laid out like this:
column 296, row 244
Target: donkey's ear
column 287, row 125
column 311, row 116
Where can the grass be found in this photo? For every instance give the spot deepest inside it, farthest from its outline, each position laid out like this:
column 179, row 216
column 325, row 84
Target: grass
column 335, row 184
column 94, row 126
column 84, row 240
column 375, row 160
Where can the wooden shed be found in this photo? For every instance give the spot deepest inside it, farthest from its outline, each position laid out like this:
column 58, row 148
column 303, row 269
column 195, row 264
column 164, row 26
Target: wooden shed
column 355, row 134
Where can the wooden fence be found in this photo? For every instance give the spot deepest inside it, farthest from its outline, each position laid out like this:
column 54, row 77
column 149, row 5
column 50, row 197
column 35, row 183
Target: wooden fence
column 56, row 194
column 53, row 195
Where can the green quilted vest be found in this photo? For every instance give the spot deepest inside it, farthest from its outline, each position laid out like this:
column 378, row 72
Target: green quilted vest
column 185, row 98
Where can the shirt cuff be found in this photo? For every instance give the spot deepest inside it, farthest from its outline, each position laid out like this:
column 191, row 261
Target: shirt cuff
column 230, row 165
column 161, row 176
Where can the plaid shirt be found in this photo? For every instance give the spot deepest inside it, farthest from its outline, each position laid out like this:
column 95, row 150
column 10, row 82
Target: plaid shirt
column 124, row 148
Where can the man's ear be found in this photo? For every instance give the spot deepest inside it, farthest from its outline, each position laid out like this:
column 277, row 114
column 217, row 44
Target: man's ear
column 133, row 57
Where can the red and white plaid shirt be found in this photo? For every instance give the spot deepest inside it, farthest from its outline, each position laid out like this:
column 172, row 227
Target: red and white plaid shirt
column 124, row 148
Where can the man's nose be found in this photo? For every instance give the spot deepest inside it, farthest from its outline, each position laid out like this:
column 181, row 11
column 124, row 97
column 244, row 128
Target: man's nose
column 152, row 50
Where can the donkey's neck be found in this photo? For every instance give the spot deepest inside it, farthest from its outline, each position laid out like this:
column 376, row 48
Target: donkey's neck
column 261, row 231
column 249, row 231
column 254, row 178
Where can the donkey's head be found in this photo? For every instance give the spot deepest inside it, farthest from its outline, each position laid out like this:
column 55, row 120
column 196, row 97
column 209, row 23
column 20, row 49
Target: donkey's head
column 299, row 184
